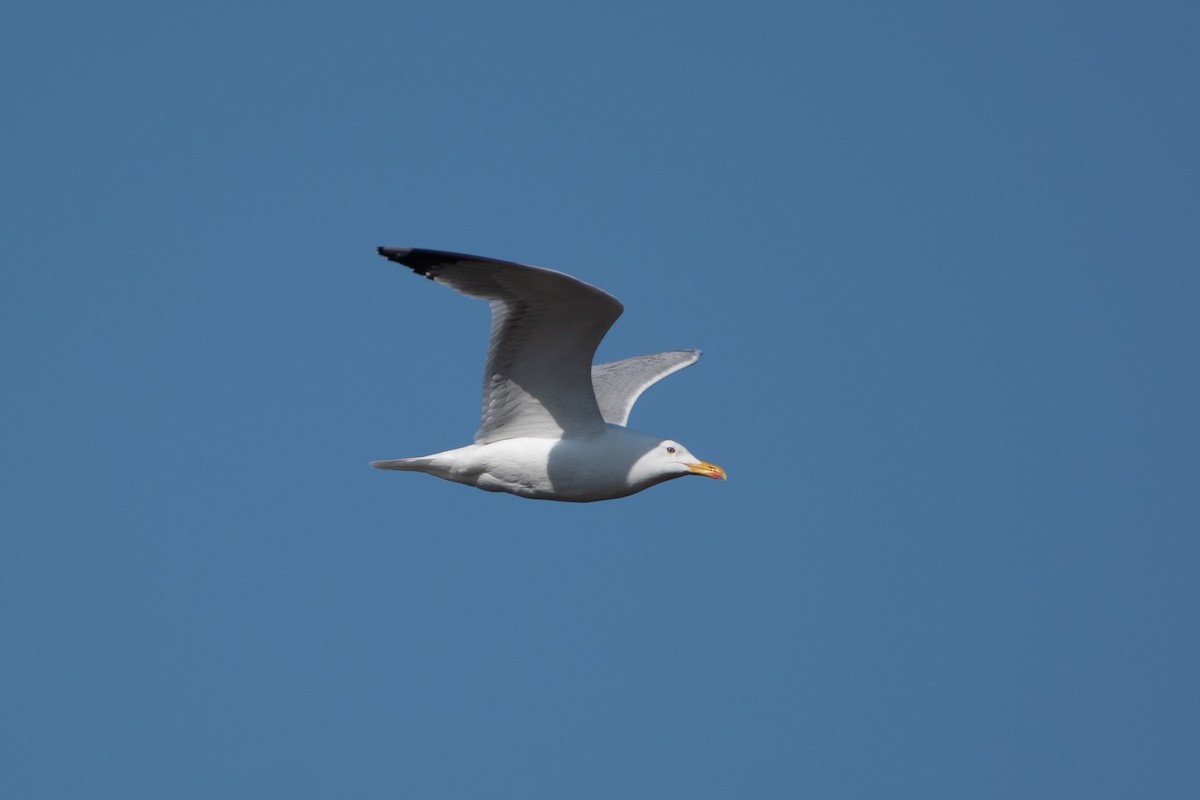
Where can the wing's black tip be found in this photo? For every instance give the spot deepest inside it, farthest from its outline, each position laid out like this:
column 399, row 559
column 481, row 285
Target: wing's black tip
column 419, row 261
column 394, row 253
column 426, row 262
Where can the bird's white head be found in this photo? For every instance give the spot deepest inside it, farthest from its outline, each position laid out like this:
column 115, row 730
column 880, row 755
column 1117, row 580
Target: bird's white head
column 670, row 459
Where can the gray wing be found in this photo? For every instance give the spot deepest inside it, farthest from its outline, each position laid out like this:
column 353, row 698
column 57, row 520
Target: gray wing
column 619, row 384
column 545, row 329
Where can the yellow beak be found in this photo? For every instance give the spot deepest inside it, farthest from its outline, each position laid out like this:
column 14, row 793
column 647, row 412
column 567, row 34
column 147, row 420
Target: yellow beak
column 707, row 470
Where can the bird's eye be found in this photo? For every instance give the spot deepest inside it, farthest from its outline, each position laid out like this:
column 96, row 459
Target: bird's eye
column 670, row 449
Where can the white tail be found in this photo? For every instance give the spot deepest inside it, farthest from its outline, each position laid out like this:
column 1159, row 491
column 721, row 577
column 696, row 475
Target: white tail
column 406, row 464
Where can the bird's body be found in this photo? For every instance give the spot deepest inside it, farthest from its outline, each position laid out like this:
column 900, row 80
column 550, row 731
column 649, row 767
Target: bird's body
column 601, row 466
column 553, row 425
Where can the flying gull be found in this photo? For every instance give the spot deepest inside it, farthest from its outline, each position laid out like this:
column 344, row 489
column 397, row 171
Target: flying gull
column 554, row 425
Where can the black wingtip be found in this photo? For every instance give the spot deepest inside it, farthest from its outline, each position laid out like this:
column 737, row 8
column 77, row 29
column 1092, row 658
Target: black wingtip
column 393, row 253
column 419, row 260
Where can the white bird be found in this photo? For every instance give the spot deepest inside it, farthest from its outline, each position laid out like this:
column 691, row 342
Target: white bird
column 553, row 425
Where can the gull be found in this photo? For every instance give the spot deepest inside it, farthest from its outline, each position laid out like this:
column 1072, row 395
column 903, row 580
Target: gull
column 554, row 425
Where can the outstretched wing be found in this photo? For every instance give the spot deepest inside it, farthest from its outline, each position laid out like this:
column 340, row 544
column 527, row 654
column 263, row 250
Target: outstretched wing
column 619, row 384
column 537, row 381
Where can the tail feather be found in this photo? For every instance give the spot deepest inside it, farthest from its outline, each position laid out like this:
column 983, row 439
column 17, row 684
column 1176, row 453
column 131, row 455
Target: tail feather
column 405, row 464
column 441, row 465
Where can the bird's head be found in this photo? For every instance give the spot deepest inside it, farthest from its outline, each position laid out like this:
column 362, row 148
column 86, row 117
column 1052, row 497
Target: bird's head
column 669, row 459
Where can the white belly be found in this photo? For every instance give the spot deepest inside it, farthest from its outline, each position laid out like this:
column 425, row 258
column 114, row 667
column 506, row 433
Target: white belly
column 575, row 470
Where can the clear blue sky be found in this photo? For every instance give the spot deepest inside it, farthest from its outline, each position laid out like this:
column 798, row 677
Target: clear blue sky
column 944, row 263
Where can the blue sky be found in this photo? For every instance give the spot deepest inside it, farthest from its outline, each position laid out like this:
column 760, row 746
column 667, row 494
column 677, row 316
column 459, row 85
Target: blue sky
column 942, row 260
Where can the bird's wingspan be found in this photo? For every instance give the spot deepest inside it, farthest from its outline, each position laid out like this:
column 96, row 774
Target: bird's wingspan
column 619, row 384
column 537, row 381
